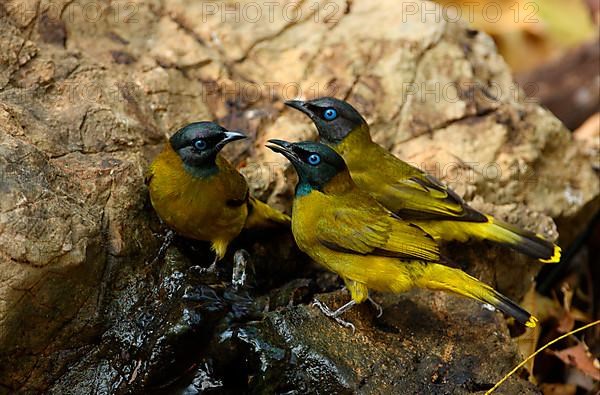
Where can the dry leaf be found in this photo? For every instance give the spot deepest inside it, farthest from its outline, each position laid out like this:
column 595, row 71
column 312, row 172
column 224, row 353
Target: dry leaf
column 543, row 308
column 579, row 356
column 566, row 323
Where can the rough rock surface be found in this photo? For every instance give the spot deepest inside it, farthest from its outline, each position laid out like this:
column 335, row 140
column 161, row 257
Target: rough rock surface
column 90, row 89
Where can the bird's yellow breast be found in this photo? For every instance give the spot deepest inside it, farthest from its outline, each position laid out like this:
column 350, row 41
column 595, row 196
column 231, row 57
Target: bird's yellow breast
column 376, row 272
column 202, row 208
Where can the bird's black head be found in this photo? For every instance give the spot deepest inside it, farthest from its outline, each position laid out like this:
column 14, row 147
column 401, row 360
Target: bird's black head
column 315, row 163
column 334, row 118
column 198, row 143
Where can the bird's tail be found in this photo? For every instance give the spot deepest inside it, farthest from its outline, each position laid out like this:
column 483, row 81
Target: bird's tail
column 498, row 232
column 261, row 215
column 526, row 242
column 444, row 278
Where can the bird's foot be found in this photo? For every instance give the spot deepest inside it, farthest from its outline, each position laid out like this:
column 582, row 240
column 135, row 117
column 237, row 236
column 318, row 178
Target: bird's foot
column 336, row 314
column 207, row 273
column 197, row 269
column 241, row 260
column 377, row 306
column 167, row 240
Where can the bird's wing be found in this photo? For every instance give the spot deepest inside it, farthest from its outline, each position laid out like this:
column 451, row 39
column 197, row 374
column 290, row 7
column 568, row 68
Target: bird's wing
column 407, row 190
column 371, row 230
column 423, row 197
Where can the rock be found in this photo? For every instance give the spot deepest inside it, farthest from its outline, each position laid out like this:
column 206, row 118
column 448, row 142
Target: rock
column 416, row 347
column 88, row 93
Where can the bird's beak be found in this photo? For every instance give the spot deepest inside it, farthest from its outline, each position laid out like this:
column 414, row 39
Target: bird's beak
column 232, row 136
column 284, row 148
column 300, row 106
column 229, row 137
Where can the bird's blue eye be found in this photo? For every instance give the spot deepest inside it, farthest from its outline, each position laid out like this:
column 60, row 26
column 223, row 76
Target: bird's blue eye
column 330, row 114
column 200, row 144
column 314, row 159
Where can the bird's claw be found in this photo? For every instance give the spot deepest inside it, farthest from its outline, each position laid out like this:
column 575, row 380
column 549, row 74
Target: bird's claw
column 323, row 307
column 377, row 306
column 335, row 314
column 206, row 273
column 345, row 324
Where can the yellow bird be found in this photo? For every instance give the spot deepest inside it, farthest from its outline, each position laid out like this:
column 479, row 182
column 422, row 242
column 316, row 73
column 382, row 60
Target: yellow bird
column 408, row 191
column 344, row 229
column 199, row 194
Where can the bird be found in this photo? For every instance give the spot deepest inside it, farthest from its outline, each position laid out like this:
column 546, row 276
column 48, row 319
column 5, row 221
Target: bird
column 199, row 194
column 410, row 192
column 343, row 228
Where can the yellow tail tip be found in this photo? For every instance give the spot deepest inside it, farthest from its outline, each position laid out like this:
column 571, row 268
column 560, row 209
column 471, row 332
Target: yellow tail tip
column 555, row 258
column 531, row 322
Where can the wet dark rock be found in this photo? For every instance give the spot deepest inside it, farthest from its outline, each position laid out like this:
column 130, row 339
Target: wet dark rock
column 415, row 347
column 165, row 319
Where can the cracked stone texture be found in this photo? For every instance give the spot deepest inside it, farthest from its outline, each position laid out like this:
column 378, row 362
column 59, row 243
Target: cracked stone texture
column 90, row 89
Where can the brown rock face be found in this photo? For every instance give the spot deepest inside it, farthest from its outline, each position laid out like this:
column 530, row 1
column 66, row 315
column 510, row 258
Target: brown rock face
column 89, row 90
